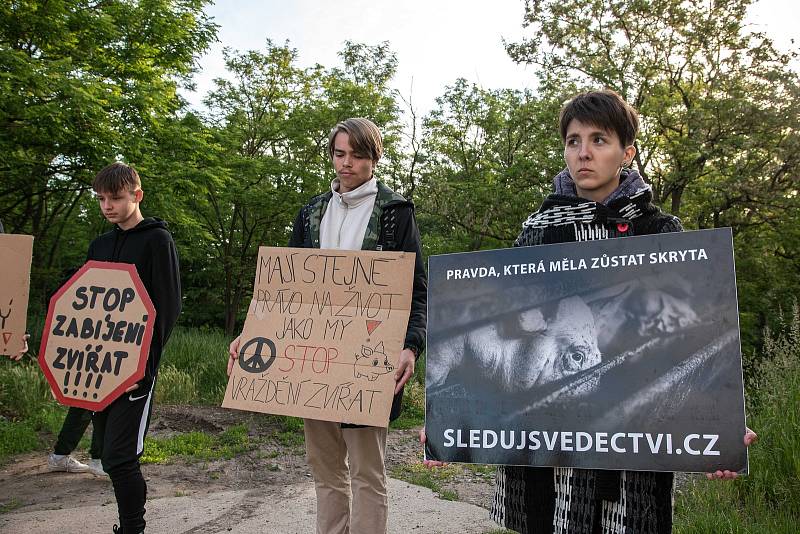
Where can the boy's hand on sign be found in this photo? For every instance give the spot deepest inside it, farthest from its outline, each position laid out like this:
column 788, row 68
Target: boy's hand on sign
column 132, row 388
column 750, row 437
column 428, row 463
column 233, row 352
column 405, row 369
column 20, row 354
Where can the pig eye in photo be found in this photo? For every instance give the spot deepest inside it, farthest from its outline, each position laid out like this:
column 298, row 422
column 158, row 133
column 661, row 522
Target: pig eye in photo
column 574, row 359
column 375, row 363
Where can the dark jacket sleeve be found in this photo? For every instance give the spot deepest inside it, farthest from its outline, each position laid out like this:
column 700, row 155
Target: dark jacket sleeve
column 409, row 241
column 165, row 292
column 297, row 238
column 670, row 223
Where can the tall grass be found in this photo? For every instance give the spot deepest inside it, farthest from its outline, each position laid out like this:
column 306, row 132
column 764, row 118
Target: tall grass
column 24, row 391
column 26, row 407
column 193, row 367
column 768, row 499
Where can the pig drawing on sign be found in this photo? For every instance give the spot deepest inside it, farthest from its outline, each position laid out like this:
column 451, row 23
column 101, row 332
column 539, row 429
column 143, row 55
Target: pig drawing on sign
column 372, row 363
column 526, row 349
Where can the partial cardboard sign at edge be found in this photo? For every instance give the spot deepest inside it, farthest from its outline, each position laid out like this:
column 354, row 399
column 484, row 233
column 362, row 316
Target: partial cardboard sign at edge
column 15, row 272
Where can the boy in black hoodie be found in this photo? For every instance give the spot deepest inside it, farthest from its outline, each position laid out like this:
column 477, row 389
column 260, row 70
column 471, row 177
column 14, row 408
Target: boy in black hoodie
column 146, row 243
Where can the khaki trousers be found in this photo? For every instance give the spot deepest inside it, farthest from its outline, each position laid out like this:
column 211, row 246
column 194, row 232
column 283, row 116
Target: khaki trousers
column 345, row 461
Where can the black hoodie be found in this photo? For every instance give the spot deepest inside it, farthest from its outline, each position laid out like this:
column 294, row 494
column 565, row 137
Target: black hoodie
column 149, row 246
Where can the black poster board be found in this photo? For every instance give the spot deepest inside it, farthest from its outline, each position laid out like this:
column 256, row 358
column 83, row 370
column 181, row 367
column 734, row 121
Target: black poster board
column 612, row 354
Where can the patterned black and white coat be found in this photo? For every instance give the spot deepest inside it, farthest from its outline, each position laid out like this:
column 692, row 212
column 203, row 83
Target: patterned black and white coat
column 538, row 500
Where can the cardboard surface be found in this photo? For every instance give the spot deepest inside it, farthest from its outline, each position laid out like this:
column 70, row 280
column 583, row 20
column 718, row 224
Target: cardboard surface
column 607, row 354
column 323, row 334
column 15, row 274
column 97, row 335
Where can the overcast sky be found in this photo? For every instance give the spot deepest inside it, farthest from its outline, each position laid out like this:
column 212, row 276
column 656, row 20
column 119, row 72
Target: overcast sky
column 436, row 41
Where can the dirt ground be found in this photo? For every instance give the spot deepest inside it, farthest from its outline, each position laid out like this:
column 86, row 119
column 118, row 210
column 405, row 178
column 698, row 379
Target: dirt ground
column 27, row 486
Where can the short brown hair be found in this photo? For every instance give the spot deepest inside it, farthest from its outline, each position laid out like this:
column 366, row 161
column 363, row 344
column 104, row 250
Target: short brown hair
column 365, row 137
column 604, row 109
column 117, row 177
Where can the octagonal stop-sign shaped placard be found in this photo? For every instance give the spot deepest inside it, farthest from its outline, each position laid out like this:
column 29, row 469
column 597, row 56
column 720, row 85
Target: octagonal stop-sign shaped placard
column 97, row 336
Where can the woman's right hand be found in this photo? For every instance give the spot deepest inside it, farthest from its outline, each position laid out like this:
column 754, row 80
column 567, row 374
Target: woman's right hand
column 233, row 353
column 428, row 463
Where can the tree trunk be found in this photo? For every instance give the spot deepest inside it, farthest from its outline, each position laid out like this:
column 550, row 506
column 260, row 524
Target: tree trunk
column 677, row 195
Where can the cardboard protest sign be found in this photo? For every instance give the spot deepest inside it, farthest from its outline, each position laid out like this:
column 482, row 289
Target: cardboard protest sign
column 611, row 354
column 323, row 334
column 96, row 339
column 15, row 272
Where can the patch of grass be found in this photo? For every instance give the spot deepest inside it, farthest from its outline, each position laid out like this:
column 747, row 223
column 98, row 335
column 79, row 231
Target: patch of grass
column 486, row 472
column 9, row 506
column 291, row 433
column 293, row 424
column 197, row 360
column 290, row 439
column 17, row 437
column 175, row 386
column 448, row 495
column 27, row 407
column 24, row 391
column 433, row 479
column 198, row 445
column 713, row 506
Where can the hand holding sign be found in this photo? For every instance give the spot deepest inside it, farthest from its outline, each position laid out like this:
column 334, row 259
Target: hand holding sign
column 233, row 352
column 405, row 369
column 750, row 437
column 18, row 356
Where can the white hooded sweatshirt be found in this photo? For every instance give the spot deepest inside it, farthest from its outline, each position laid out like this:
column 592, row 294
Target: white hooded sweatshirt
column 346, row 217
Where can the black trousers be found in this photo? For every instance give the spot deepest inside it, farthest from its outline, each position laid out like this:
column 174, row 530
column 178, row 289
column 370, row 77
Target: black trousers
column 75, row 423
column 123, row 426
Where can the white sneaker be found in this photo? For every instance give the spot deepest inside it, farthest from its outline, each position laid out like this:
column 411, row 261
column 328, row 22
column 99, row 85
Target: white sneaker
column 65, row 462
column 96, row 467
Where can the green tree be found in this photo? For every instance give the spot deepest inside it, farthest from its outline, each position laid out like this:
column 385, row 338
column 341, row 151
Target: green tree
column 268, row 123
column 82, row 83
column 702, row 84
column 489, row 158
column 719, row 108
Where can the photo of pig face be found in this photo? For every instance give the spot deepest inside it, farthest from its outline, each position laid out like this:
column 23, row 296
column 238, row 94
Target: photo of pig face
column 528, row 349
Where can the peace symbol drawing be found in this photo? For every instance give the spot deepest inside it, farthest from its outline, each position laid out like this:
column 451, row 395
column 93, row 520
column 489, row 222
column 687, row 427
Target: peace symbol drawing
column 256, row 363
